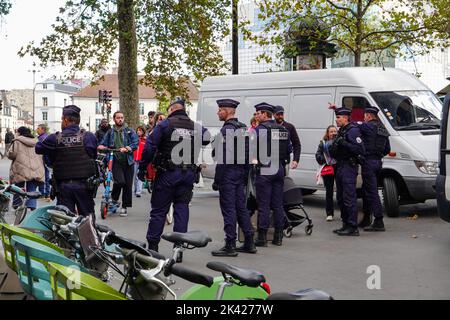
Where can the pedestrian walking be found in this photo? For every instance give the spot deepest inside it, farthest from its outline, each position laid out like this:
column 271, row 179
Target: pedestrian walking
column 103, row 128
column 151, row 121
column 9, row 137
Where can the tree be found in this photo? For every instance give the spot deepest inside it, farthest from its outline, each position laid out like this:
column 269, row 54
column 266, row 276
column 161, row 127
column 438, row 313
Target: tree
column 359, row 27
column 5, row 6
column 174, row 39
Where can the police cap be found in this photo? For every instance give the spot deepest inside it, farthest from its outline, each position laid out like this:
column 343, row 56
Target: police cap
column 177, row 100
column 343, row 111
column 71, row 111
column 264, row 106
column 228, row 103
column 371, row 109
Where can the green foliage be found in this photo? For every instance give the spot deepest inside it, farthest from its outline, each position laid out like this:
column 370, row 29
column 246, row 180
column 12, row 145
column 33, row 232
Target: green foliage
column 5, row 6
column 176, row 40
column 359, row 26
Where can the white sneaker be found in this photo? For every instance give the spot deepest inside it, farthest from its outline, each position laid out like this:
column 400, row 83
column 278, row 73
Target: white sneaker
column 329, row 218
column 123, row 212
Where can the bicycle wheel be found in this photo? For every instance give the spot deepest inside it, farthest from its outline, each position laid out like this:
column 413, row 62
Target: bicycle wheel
column 20, row 215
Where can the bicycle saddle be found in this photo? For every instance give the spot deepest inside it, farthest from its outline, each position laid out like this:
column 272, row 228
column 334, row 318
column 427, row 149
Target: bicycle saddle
column 247, row 277
column 198, row 239
column 306, row 294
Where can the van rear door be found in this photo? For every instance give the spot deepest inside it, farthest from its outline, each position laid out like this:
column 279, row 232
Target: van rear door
column 443, row 179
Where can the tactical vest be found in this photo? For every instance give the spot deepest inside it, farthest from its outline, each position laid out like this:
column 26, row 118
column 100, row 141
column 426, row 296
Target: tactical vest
column 281, row 134
column 184, row 128
column 340, row 153
column 72, row 162
column 240, row 156
column 376, row 142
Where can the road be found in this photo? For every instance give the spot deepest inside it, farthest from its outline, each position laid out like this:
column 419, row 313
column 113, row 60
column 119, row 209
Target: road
column 412, row 256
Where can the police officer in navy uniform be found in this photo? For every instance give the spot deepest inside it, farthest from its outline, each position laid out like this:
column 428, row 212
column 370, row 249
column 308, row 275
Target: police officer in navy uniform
column 269, row 180
column 230, row 179
column 175, row 178
column 376, row 143
column 72, row 153
column 348, row 150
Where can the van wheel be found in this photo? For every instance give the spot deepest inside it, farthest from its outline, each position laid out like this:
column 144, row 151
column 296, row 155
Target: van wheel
column 307, row 192
column 390, row 197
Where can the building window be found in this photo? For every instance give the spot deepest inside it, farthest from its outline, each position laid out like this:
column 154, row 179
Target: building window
column 98, row 108
column 141, row 109
column 45, row 101
column 44, row 116
column 44, row 86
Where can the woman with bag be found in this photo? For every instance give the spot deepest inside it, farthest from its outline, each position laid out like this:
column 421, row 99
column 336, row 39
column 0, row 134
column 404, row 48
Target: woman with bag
column 27, row 167
column 327, row 169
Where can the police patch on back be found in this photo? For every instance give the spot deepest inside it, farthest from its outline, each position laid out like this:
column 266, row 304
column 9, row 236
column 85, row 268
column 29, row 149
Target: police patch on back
column 279, row 135
column 183, row 132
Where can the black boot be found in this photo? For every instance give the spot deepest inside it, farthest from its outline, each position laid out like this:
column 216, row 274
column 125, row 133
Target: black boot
column 377, row 225
column 366, row 221
column 229, row 250
column 248, row 246
column 344, row 226
column 261, row 241
column 278, row 238
column 153, row 246
column 349, row 231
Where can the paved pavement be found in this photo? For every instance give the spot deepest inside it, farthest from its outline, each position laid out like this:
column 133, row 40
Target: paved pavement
column 413, row 256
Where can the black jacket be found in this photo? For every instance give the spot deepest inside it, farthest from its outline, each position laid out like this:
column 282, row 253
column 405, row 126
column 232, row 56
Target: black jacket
column 100, row 133
column 320, row 158
column 295, row 140
column 9, row 137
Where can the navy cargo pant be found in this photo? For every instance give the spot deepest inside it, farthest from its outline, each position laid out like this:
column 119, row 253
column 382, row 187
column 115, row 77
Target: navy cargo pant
column 74, row 195
column 171, row 186
column 346, row 192
column 233, row 203
column 269, row 195
column 371, row 199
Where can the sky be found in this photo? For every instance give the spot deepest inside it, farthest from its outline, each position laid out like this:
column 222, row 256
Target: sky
column 28, row 20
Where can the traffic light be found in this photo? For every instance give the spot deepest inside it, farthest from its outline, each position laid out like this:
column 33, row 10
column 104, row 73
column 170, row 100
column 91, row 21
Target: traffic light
column 108, row 108
column 100, row 96
column 107, row 96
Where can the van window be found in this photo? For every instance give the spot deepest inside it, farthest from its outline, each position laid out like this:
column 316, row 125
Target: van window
column 357, row 105
column 410, row 110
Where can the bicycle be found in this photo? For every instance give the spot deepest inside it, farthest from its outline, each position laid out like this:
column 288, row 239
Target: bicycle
column 6, row 192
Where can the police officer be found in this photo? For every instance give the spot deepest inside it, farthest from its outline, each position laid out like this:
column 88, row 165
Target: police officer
column 72, row 153
column 269, row 180
column 293, row 135
column 376, row 143
column 175, row 178
column 348, row 150
column 230, row 178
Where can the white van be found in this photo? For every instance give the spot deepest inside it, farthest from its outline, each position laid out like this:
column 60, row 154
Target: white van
column 410, row 112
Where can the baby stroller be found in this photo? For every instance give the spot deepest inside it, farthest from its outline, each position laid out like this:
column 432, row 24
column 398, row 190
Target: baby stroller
column 293, row 200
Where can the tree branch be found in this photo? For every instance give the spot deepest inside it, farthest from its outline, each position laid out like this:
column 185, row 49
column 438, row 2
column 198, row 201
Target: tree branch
column 330, row 2
column 391, row 32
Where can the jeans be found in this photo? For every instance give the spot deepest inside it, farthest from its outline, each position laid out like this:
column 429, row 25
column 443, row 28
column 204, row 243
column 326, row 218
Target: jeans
column 328, row 181
column 30, row 186
column 44, row 188
column 137, row 182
